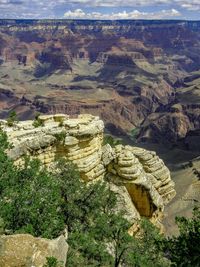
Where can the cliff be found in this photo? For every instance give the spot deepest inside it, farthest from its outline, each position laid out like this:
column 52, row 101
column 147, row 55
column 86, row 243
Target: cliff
column 125, row 72
column 140, row 177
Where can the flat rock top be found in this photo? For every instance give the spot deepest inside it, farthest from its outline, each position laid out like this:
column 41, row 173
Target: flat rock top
column 84, row 124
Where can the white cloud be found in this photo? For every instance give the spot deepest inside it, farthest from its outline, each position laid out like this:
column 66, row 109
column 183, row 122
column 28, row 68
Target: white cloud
column 54, row 8
column 135, row 14
column 78, row 13
column 191, row 6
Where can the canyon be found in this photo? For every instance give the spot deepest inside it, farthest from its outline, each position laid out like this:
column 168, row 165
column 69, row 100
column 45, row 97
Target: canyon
column 139, row 80
column 133, row 74
column 138, row 76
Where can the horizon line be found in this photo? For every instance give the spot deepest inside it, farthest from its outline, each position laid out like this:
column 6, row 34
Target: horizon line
column 65, row 19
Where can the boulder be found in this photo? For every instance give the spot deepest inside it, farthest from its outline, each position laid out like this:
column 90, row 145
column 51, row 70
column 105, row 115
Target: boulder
column 24, row 250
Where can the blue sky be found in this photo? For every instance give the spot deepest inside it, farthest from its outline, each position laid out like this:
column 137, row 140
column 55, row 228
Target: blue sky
column 101, row 9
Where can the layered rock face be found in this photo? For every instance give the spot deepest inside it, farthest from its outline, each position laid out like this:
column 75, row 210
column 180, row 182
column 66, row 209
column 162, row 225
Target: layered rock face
column 26, row 250
column 128, row 69
column 140, row 178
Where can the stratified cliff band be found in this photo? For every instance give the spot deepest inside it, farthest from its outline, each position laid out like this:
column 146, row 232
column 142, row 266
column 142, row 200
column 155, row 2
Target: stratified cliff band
column 139, row 176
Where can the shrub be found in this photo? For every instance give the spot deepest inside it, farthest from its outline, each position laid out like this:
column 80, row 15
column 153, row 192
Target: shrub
column 37, row 121
column 12, row 118
column 60, row 137
column 134, row 134
column 52, row 262
column 108, row 139
column 30, row 200
column 184, row 249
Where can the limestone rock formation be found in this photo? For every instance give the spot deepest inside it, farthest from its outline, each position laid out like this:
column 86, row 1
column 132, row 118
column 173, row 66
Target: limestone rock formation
column 26, row 250
column 140, row 177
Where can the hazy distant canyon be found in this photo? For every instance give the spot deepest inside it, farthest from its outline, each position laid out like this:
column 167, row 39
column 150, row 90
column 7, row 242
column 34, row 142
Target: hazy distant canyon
column 133, row 74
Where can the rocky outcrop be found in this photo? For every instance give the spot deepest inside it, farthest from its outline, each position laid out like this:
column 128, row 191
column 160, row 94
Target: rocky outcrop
column 140, row 178
column 174, row 124
column 25, row 250
column 120, row 58
column 146, row 179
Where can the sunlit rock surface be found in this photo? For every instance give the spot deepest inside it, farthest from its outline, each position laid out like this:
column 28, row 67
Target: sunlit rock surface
column 140, row 177
column 26, row 250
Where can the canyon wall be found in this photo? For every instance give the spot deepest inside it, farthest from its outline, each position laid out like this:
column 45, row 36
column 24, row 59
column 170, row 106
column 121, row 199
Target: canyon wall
column 130, row 73
column 140, row 177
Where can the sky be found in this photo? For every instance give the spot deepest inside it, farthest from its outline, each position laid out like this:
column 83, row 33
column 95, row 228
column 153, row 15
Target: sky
column 100, row 9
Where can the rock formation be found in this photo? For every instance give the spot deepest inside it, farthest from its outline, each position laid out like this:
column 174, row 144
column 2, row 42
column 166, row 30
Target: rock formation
column 140, row 178
column 123, row 71
column 25, row 250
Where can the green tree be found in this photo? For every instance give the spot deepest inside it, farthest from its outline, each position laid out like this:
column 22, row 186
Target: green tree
column 83, row 204
column 30, row 197
column 30, row 201
column 146, row 248
column 130, row 251
column 115, row 231
column 36, row 201
column 184, row 250
column 7, row 169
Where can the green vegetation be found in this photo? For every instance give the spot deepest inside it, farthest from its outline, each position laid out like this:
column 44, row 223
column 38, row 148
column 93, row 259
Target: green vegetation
column 37, row 121
column 110, row 234
column 52, row 262
column 60, row 137
column 36, row 201
column 12, row 118
column 184, row 249
column 134, row 134
column 30, row 200
column 108, row 139
column 29, row 197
